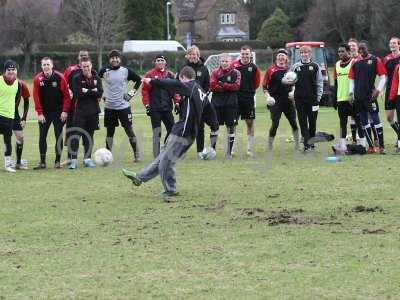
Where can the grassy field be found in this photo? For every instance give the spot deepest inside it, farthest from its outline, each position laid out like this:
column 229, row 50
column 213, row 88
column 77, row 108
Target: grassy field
column 282, row 226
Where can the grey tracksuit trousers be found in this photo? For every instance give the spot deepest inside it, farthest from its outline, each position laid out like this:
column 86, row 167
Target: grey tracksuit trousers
column 164, row 163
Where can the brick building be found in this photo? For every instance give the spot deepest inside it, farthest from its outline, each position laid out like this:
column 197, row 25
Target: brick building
column 211, row 20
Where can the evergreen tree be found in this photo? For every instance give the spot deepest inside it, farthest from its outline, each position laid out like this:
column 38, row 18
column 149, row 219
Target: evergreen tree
column 147, row 20
column 296, row 10
column 276, row 30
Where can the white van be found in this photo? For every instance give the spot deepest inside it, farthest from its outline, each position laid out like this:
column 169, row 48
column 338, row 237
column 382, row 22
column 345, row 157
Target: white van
column 151, row 46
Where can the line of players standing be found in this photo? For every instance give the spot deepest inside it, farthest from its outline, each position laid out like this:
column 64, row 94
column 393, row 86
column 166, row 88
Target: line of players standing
column 73, row 98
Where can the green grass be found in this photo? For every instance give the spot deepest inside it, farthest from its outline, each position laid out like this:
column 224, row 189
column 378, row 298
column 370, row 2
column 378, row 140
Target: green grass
column 89, row 234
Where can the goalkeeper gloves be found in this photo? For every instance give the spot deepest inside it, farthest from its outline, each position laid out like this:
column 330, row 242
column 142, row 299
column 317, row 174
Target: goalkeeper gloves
column 148, row 110
column 177, row 109
column 129, row 95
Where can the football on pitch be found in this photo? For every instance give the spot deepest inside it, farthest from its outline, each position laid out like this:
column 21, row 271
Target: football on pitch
column 103, row 157
column 289, row 78
column 208, row 153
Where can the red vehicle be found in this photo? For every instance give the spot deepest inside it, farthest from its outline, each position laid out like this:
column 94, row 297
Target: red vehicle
column 319, row 55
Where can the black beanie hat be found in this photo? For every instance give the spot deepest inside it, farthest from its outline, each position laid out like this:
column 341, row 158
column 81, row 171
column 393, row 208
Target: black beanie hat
column 10, row 64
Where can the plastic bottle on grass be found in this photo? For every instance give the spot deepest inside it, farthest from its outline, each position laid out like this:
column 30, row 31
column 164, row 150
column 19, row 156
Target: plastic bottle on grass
column 333, row 159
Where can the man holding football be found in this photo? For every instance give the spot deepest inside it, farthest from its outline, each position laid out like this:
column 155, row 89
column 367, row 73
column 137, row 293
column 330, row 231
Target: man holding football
column 307, row 95
column 277, row 95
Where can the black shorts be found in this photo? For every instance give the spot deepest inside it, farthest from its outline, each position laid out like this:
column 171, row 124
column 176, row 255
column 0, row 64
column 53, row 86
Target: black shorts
column 210, row 117
column 283, row 106
column 246, row 109
column 88, row 123
column 6, row 125
column 345, row 109
column 365, row 105
column 390, row 105
column 17, row 123
column 68, row 123
column 166, row 117
column 227, row 115
column 112, row 116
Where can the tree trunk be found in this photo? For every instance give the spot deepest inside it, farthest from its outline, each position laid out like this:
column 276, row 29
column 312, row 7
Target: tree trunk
column 27, row 64
column 99, row 55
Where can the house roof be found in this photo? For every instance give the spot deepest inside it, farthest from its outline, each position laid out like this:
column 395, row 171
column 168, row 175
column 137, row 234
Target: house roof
column 190, row 10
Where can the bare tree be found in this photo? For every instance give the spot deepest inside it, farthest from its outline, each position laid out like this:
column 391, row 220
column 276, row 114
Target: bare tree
column 25, row 23
column 337, row 20
column 103, row 20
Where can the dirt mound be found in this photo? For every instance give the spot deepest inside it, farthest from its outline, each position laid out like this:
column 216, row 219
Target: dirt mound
column 273, row 218
column 373, row 231
column 364, row 209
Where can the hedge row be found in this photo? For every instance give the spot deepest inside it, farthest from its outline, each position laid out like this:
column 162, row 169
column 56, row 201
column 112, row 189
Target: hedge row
column 202, row 45
column 215, row 46
column 139, row 62
column 74, row 47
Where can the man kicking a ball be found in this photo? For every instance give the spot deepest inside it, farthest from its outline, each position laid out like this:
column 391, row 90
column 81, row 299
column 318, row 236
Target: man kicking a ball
column 183, row 133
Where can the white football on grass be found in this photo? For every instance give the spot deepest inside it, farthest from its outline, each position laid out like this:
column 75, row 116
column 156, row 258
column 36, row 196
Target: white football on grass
column 208, row 153
column 103, row 157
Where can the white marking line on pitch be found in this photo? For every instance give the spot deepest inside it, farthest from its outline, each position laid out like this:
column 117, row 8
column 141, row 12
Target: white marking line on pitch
column 143, row 114
column 101, row 116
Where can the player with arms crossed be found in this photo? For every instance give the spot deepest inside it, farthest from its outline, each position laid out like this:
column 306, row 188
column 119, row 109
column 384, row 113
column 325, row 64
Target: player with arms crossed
column 158, row 102
column 209, row 116
column 249, row 83
column 69, row 73
column 225, row 83
column 87, row 89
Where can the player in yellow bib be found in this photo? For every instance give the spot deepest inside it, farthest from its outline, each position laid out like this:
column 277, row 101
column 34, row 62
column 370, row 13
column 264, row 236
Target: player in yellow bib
column 8, row 93
column 342, row 95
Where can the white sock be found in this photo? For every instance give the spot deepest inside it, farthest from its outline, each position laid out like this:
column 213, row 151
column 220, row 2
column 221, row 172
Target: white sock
column 362, row 142
column 250, row 143
column 7, row 161
column 342, row 143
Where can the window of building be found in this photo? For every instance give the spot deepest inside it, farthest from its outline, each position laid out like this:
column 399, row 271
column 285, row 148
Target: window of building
column 232, row 39
column 228, row 18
